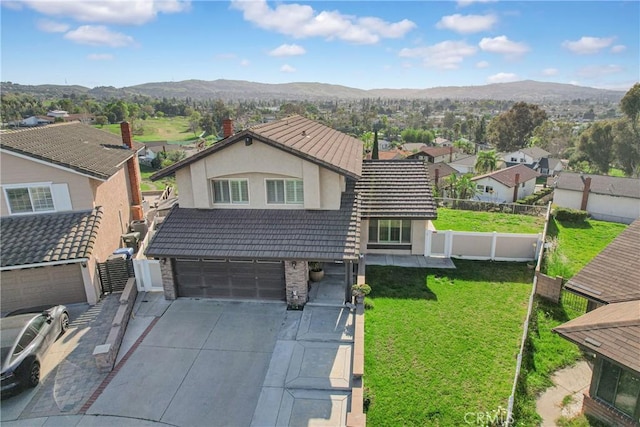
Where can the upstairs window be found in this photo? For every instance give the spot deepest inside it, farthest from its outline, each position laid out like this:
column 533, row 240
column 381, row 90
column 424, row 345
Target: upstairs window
column 231, row 191
column 29, row 199
column 285, row 191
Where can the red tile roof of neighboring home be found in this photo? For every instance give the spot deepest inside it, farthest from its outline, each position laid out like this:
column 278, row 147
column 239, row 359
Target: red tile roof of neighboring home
column 299, row 136
column 614, row 274
column 507, row 176
column 393, row 155
column 612, row 331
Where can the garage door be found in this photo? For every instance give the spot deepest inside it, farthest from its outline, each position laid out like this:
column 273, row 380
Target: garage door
column 34, row 287
column 243, row 279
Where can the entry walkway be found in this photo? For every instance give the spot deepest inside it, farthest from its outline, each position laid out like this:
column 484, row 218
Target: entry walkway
column 572, row 381
column 417, row 261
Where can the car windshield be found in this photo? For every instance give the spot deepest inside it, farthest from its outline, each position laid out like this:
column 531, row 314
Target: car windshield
column 10, row 328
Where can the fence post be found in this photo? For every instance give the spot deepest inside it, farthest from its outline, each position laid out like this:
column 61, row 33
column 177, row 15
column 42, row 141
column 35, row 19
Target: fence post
column 448, row 243
column 427, row 242
column 493, row 245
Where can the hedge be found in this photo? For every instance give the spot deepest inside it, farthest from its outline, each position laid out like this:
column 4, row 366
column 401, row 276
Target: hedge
column 572, row 215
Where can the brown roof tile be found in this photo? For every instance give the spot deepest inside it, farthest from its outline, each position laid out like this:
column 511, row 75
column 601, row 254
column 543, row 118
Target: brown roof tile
column 395, row 188
column 612, row 331
column 34, row 239
column 507, row 176
column 600, row 184
column 614, row 274
column 73, row 145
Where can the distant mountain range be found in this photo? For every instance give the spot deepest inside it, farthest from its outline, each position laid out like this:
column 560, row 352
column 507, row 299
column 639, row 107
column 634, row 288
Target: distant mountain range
column 527, row 90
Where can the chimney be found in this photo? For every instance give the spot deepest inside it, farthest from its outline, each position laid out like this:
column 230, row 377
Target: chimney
column 437, row 177
column 515, row 189
column 450, row 154
column 134, row 173
column 227, row 128
column 585, row 193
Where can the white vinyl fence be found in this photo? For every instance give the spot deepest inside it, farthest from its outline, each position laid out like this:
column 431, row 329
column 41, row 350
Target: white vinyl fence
column 148, row 274
column 482, row 246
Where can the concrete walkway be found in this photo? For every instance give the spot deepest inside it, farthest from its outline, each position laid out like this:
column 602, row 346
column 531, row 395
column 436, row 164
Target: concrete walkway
column 573, row 381
column 416, row 261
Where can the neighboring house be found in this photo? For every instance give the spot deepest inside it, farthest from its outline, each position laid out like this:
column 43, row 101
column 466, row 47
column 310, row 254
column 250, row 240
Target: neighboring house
column 438, row 172
column 442, row 142
column 528, row 156
column 384, row 145
column 35, row 121
column 69, row 192
column 58, row 113
column 436, row 154
column 610, row 334
column 258, row 206
column 549, row 166
column 464, row 165
column 606, row 198
column 393, row 154
column 413, row 147
column 506, row 185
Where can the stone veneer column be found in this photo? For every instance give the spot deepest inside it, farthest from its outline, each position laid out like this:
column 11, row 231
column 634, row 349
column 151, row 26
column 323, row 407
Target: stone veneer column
column 296, row 276
column 168, row 282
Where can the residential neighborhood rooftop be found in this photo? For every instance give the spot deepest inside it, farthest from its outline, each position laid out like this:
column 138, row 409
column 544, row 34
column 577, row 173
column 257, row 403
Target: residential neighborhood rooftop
column 44, row 238
column 612, row 331
column 74, row 145
column 395, row 189
column 444, row 169
column 600, row 184
column 535, row 152
column 507, row 176
column 614, row 274
column 438, row 151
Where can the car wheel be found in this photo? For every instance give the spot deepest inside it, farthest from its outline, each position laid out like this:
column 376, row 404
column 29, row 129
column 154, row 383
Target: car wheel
column 34, row 374
column 64, row 322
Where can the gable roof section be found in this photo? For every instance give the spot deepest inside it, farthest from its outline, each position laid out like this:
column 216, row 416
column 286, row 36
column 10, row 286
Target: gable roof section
column 612, row 331
column 438, row 151
column 536, row 153
column 75, row 146
column 261, row 233
column 444, row 170
column 395, row 189
column 507, row 176
column 465, row 161
column 614, row 274
column 48, row 238
column 299, row 136
column 600, row 184
column 549, row 163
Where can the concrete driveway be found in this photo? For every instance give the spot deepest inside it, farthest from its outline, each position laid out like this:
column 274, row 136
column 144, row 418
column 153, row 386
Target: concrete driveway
column 203, row 363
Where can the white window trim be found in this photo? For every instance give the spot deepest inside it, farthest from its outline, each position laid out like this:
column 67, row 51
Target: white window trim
column 284, row 180
column 49, row 185
column 229, row 180
column 390, row 242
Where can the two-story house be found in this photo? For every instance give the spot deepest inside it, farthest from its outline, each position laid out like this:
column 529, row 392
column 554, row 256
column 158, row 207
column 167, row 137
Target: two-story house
column 436, row 154
column 69, row 191
column 257, row 207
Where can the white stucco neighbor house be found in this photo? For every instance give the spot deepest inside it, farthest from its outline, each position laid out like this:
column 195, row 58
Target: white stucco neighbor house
column 506, row 185
column 606, row 198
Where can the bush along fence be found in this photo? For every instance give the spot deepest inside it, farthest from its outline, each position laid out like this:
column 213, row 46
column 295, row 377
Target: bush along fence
column 525, row 332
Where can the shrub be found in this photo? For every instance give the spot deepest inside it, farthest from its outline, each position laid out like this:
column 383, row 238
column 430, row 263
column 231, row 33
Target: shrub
column 571, row 215
column 533, row 198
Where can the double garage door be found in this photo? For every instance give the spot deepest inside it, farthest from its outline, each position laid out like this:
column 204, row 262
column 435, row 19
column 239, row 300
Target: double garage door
column 223, row 278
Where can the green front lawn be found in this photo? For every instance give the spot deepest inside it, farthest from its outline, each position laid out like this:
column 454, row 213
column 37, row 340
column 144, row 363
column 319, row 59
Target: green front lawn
column 459, row 220
column 159, row 129
column 442, row 343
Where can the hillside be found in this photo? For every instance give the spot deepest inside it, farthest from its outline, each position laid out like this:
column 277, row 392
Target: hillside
column 528, row 90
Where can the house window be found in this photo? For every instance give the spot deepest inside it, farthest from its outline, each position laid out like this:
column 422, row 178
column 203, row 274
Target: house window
column 234, row 191
column 619, row 388
column 514, row 159
column 390, row 231
column 480, row 188
column 29, row 199
column 285, row 191
column 488, row 189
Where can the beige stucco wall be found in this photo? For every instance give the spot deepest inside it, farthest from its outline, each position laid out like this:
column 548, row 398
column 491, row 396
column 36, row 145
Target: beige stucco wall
column 418, row 233
column 257, row 162
column 471, row 246
column 16, row 170
column 600, row 206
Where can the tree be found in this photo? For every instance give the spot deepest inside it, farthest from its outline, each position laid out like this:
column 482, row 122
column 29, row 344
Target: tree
column 460, row 187
column 487, row 161
column 481, row 131
column 626, row 145
column 597, row 144
column 375, row 152
column 513, row 129
column 194, row 122
column 630, row 105
column 465, row 146
column 554, row 137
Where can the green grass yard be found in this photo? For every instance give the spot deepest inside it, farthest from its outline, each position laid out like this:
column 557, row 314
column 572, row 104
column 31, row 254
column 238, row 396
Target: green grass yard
column 459, row 220
column 442, row 343
column 171, row 129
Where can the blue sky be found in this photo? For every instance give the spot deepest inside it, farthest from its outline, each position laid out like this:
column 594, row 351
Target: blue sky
column 362, row 44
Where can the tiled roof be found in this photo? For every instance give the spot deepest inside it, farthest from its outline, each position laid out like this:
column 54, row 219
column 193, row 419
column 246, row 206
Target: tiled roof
column 260, row 233
column 507, row 176
column 444, row 170
column 600, row 184
column 43, row 238
column 395, row 188
column 614, row 274
column 612, row 331
column 438, row 151
column 73, row 145
column 535, row 152
column 393, row 154
column 465, row 161
column 299, row 136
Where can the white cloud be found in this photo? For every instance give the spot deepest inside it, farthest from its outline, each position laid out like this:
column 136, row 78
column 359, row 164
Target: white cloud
column 467, row 24
column 588, row 45
column 286, row 68
column 245, row 62
column 100, row 56
column 595, row 71
column 13, row 5
column 288, row 50
column 503, row 45
column 502, row 78
column 49, row 26
column 465, row 3
column 303, row 21
column 550, row 72
column 98, row 35
column 618, row 48
column 446, row 55
column 482, row 64
column 127, row 12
